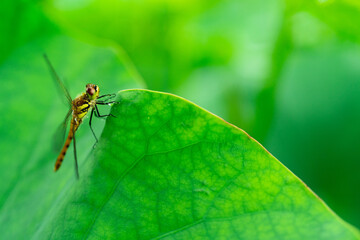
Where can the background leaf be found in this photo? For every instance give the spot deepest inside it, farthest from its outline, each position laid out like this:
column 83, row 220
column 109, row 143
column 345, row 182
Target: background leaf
column 33, row 110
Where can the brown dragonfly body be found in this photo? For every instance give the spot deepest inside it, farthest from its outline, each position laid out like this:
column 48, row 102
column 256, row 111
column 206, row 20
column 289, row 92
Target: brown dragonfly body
column 79, row 108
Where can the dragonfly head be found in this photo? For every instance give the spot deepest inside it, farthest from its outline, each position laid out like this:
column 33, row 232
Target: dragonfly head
column 92, row 91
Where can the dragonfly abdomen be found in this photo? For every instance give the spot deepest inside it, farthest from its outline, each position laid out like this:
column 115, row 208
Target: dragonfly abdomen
column 63, row 151
column 80, row 106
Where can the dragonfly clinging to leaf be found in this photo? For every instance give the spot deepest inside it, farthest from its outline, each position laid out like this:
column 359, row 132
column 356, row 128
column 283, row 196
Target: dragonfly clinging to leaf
column 78, row 109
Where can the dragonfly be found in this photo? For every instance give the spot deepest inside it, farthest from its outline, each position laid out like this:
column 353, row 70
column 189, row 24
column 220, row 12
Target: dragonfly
column 79, row 107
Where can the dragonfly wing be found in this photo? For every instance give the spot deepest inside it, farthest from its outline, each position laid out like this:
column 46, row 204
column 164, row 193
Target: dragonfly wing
column 59, row 135
column 58, row 80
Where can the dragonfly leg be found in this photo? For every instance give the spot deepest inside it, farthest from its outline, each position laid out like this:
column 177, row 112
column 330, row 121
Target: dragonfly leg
column 108, row 95
column 92, row 112
column 105, row 103
column 97, row 114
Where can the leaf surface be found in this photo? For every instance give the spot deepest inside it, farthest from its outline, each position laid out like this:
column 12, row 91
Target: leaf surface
column 167, row 169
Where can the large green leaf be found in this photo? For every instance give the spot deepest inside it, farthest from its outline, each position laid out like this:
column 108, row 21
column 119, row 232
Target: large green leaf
column 165, row 168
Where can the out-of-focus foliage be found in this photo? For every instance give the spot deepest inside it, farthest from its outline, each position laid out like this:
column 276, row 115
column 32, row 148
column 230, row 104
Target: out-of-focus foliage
column 21, row 22
column 287, row 72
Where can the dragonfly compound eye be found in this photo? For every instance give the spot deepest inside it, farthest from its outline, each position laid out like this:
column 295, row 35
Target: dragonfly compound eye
column 90, row 90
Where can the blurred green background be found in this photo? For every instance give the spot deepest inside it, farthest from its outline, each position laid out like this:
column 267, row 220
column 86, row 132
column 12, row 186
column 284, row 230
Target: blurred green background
column 287, row 73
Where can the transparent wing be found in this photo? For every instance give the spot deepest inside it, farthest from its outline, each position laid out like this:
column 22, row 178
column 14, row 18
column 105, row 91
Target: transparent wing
column 59, row 135
column 58, row 80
